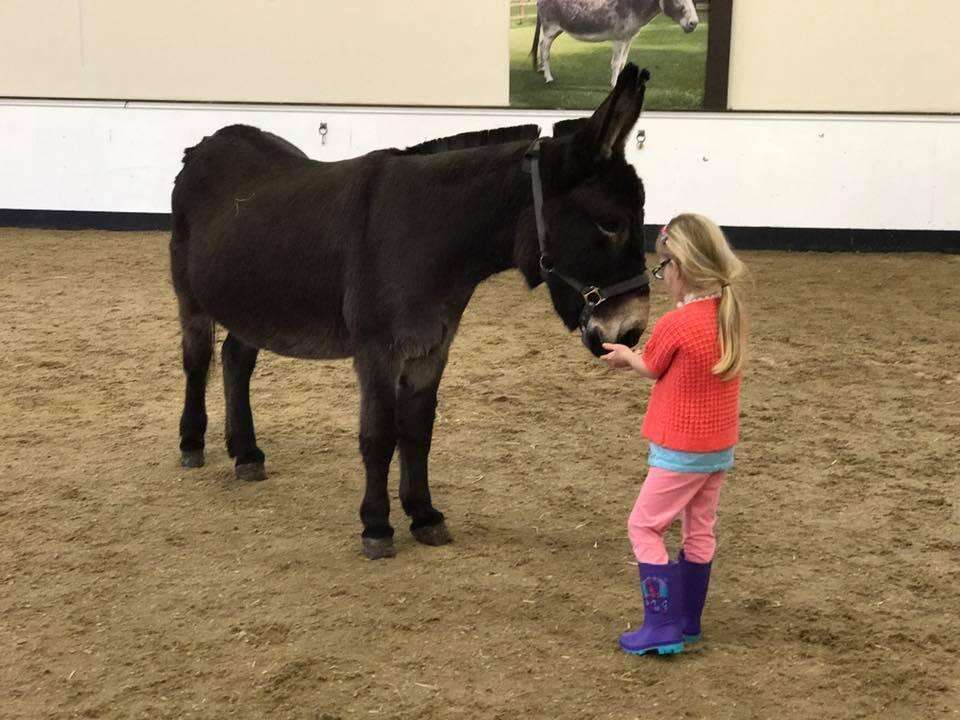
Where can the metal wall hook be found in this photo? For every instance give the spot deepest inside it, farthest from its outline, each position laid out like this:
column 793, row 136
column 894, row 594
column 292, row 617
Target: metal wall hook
column 323, row 133
column 641, row 138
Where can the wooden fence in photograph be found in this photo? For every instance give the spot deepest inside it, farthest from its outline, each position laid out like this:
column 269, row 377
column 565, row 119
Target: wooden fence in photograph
column 524, row 11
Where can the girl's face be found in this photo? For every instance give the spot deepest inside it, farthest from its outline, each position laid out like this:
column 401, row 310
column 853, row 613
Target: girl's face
column 671, row 277
column 669, row 270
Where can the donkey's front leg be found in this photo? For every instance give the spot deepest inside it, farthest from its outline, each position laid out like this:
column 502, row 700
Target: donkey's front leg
column 378, row 439
column 621, row 49
column 416, row 410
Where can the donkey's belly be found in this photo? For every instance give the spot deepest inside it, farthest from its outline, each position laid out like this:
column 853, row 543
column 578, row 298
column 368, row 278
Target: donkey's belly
column 310, row 347
column 599, row 20
column 598, row 24
column 277, row 309
column 314, row 341
column 592, row 37
column 620, row 33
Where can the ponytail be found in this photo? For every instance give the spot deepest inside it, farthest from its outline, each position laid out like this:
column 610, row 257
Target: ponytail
column 731, row 334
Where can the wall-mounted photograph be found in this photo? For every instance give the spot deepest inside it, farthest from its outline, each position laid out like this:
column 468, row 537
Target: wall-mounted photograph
column 566, row 54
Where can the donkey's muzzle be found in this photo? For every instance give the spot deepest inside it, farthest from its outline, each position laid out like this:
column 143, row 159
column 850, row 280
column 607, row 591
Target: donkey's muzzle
column 594, row 341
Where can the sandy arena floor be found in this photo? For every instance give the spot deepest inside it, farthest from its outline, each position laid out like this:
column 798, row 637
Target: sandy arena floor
column 130, row 588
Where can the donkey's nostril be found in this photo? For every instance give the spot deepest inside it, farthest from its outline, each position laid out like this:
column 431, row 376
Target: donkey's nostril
column 630, row 338
column 593, row 342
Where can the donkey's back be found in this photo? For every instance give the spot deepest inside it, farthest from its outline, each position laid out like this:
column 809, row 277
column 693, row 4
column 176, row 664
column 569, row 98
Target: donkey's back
column 261, row 240
column 232, row 157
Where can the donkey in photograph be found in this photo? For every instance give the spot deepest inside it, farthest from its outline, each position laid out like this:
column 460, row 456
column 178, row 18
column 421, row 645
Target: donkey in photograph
column 599, row 20
column 376, row 257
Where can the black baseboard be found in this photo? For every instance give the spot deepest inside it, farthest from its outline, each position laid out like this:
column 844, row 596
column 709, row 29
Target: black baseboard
column 742, row 238
column 84, row 220
column 840, row 240
column 833, row 239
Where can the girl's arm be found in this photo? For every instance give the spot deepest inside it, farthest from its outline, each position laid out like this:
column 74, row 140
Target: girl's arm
column 620, row 357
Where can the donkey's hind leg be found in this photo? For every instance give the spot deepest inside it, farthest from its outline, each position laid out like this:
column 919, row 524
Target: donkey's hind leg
column 550, row 33
column 196, row 331
column 197, row 342
column 238, row 363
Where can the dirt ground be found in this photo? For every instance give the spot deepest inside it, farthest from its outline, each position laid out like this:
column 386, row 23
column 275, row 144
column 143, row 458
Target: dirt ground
column 130, row 588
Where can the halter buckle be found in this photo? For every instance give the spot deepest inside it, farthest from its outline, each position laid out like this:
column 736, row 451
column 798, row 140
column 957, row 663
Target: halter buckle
column 593, row 296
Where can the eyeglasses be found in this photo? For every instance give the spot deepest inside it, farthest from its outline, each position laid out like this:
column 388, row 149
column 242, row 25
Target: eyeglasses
column 657, row 272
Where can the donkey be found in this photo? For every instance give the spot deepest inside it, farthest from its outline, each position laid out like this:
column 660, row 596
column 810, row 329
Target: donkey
column 376, row 257
column 599, row 20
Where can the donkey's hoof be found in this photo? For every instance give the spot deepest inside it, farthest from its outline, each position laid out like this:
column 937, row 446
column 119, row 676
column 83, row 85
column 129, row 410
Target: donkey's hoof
column 433, row 534
column 191, row 458
column 251, row 472
column 377, row 548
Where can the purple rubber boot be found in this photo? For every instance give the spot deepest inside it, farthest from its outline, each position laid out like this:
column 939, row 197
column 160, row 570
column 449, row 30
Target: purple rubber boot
column 662, row 611
column 695, row 578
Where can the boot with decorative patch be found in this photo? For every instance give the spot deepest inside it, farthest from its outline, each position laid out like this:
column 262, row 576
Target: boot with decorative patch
column 662, row 609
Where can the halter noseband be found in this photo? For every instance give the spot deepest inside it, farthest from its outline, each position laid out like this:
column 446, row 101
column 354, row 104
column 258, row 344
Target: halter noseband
column 592, row 295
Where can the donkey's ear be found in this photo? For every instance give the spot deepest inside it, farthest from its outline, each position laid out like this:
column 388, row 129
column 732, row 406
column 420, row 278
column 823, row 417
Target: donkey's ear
column 638, row 102
column 612, row 121
column 641, row 90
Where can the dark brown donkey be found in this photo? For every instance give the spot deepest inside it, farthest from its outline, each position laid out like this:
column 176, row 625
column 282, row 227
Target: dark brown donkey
column 376, row 257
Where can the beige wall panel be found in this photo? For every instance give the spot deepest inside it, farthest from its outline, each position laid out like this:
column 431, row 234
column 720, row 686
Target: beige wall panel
column 845, row 55
column 430, row 52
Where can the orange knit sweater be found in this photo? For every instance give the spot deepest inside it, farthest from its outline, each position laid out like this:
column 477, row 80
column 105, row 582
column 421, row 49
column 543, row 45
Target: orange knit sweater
column 690, row 408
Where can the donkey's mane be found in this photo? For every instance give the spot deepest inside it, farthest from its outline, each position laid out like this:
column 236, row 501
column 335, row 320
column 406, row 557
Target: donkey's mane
column 570, row 126
column 474, row 139
column 269, row 142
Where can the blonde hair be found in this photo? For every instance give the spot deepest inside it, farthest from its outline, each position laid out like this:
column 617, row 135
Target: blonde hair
column 706, row 263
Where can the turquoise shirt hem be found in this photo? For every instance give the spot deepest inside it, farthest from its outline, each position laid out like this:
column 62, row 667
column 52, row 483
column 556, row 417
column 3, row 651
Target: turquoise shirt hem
column 690, row 462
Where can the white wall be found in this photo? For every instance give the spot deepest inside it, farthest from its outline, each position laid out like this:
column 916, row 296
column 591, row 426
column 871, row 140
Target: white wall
column 866, row 172
column 429, row 52
column 854, row 55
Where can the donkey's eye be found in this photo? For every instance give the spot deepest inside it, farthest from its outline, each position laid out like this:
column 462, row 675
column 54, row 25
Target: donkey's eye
column 610, row 228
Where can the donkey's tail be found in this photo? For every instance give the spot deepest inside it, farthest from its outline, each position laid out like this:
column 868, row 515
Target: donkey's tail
column 188, row 153
column 536, row 43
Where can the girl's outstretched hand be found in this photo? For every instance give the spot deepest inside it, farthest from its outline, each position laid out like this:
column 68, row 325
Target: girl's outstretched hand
column 618, row 357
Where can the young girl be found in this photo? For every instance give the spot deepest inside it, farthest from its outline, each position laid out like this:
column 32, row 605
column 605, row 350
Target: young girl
column 695, row 355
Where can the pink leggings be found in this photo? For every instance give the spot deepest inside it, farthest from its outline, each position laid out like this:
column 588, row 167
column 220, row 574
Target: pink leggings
column 664, row 495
